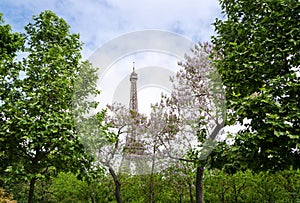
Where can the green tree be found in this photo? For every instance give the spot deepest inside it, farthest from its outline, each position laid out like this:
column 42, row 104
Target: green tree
column 67, row 188
column 37, row 120
column 258, row 59
column 247, row 186
column 10, row 44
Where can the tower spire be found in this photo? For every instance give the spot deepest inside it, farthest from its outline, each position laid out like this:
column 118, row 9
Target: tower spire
column 133, row 103
column 133, row 67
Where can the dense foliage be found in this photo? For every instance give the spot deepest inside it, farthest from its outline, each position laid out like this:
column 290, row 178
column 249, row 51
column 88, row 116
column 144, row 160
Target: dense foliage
column 5, row 197
column 257, row 48
column 37, row 127
column 175, row 185
column 10, row 44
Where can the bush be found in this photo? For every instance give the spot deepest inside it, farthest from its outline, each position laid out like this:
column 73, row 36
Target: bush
column 5, row 197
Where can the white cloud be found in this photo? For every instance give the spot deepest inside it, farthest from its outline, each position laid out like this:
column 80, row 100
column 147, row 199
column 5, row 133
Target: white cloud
column 99, row 21
column 190, row 18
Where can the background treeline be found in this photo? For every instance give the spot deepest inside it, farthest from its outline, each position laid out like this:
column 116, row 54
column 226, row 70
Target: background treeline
column 282, row 186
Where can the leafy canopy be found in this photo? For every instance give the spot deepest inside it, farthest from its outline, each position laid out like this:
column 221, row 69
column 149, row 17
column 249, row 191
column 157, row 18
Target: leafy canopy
column 258, row 59
column 39, row 97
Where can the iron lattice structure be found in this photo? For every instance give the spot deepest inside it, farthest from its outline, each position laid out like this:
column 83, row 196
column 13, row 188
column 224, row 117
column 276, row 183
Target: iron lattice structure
column 132, row 161
column 133, row 103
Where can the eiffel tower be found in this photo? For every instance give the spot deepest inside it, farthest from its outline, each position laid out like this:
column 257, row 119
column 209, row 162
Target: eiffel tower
column 132, row 160
column 133, row 103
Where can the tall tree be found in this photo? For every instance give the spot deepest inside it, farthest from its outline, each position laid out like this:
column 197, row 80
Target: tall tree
column 10, row 44
column 258, row 59
column 193, row 114
column 37, row 120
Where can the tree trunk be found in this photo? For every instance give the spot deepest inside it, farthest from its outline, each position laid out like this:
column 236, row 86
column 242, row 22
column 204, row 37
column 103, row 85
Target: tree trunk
column 31, row 190
column 151, row 176
column 93, row 198
column 191, row 192
column 180, row 198
column 117, row 184
column 235, row 193
column 199, row 185
column 151, row 189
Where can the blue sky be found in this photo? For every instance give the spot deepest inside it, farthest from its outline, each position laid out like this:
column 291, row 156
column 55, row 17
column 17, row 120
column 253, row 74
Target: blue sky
column 102, row 21
column 99, row 21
